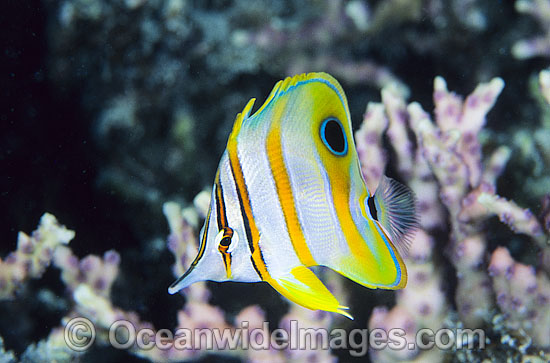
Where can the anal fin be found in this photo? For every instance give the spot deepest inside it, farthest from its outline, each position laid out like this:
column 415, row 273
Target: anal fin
column 301, row 286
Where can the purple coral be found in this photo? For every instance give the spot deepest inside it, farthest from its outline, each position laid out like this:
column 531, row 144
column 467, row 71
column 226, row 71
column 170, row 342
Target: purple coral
column 454, row 175
column 522, row 296
column 33, row 254
column 540, row 45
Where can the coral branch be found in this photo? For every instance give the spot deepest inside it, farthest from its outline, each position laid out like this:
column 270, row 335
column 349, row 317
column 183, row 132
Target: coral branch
column 34, row 253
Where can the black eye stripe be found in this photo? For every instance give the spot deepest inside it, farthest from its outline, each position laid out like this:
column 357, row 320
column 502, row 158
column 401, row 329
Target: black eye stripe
column 333, row 136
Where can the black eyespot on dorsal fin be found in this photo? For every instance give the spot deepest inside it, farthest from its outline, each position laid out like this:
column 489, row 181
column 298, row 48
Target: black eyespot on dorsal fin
column 333, row 136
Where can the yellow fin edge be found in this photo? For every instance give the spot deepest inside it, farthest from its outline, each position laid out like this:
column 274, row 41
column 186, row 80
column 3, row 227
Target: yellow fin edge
column 288, row 82
column 302, row 287
column 279, row 87
column 243, row 115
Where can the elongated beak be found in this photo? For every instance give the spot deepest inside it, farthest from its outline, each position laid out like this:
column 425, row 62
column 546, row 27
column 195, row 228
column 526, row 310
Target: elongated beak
column 195, row 273
column 183, row 281
column 207, row 267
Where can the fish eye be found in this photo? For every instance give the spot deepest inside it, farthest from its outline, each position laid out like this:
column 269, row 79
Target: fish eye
column 227, row 239
column 333, row 136
column 234, row 241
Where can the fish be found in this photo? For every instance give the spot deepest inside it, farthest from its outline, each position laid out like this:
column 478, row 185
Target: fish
column 289, row 195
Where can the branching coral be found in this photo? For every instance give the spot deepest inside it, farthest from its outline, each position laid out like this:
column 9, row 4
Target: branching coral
column 443, row 164
column 449, row 153
column 149, row 91
column 456, row 189
column 536, row 46
column 183, row 243
column 89, row 281
column 441, row 161
column 34, row 253
column 523, row 297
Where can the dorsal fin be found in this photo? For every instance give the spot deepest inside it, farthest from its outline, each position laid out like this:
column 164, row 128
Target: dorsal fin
column 243, row 115
column 288, row 83
column 280, row 88
column 395, row 207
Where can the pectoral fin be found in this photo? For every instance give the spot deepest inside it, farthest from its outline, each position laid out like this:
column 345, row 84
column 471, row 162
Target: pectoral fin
column 301, row 286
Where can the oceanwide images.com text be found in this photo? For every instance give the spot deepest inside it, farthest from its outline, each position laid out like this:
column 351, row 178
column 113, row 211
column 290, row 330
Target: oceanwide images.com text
column 80, row 335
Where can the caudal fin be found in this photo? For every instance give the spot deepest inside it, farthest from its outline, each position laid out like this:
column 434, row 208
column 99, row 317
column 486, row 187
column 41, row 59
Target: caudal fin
column 396, row 212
